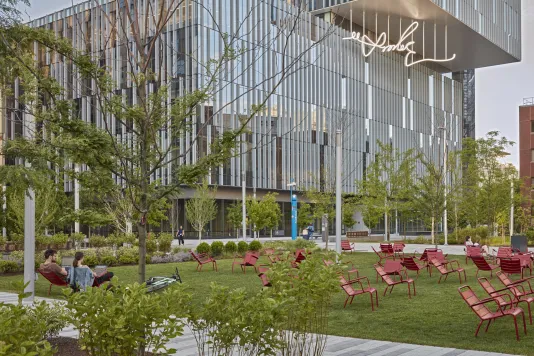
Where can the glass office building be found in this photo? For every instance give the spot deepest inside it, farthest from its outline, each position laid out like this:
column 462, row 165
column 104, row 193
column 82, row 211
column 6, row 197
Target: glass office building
column 379, row 96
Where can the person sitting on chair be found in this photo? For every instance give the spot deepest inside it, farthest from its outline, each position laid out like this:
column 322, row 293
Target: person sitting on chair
column 469, row 242
column 50, row 265
column 98, row 280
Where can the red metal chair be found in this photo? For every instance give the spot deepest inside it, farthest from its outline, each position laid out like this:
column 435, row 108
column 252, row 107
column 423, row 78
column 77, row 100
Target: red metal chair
column 484, row 314
column 203, row 259
column 516, row 287
column 392, row 283
column 488, row 287
column 346, row 246
column 387, row 249
column 444, row 271
column 398, row 248
column 483, row 265
column 438, row 255
column 502, row 252
column 249, row 260
column 512, row 266
column 54, row 280
column 382, row 256
column 351, row 292
column 471, row 251
column 351, row 268
column 411, row 265
column 393, row 268
column 424, row 256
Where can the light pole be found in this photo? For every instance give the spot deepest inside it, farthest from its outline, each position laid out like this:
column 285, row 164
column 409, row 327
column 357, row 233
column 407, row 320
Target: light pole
column 293, row 210
column 338, row 191
column 445, row 228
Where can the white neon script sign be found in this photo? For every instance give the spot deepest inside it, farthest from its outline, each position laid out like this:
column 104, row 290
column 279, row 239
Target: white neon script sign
column 403, row 45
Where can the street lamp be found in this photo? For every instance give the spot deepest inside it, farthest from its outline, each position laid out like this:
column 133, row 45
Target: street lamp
column 293, row 210
column 445, row 227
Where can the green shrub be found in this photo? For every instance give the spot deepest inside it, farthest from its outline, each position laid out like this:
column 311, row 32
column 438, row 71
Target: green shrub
column 164, row 242
column 98, row 241
column 128, row 255
column 42, row 242
column 301, row 243
column 107, row 257
column 9, row 267
column 90, row 258
column 254, row 246
column 217, row 248
column 23, row 329
column 126, row 318
column 277, row 245
column 14, row 237
column 230, row 247
column 203, row 247
column 242, row 247
column 177, row 249
column 53, row 314
column 17, row 256
column 77, row 238
column 308, row 303
column 151, row 245
column 59, row 240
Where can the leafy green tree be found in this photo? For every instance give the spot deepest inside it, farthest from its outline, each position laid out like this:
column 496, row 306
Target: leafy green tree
column 273, row 213
column 429, row 200
column 255, row 214
column 348, row 215
column 201, row 208
column 49, row 205
column 305, row 216
column 234, row 216
column 486, row 181
column 387, row 185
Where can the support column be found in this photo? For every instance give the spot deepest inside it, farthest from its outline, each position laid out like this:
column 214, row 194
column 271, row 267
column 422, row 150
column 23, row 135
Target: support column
column 76, row 198
column 338, row 190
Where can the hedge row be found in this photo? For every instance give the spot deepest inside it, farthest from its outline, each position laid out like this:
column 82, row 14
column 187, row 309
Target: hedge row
column 217, row 248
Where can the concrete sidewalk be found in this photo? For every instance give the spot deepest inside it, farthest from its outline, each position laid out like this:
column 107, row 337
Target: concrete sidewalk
column 336, row 345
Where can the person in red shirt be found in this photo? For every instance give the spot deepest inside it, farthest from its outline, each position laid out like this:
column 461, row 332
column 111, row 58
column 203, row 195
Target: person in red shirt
column 50, row 265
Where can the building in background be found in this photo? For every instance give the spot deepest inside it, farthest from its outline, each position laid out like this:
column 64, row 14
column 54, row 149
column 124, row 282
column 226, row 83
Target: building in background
column 406, row 99
column 467, row 78
column 526, row 147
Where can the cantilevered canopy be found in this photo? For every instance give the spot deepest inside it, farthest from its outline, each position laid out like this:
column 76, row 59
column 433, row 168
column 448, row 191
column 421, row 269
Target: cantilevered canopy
column 452, row 37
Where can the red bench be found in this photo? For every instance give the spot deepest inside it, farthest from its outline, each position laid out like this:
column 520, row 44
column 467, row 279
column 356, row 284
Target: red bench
column 346, row 246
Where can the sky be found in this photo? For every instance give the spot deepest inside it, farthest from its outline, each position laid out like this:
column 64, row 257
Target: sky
column 499, row 90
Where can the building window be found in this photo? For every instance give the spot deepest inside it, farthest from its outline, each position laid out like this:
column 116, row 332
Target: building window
column 532, row 182
column 532, row 155
column 532, row 126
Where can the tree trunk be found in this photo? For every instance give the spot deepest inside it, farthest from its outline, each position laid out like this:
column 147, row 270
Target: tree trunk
column 141, row 228
column 432, row 231
column 271, row 234
column 199, row 235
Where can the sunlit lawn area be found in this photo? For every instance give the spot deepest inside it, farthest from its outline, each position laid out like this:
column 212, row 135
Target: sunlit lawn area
column 436, row 316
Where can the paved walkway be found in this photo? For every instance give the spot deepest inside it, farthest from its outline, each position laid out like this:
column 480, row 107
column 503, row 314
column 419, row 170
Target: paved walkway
column 336, row 345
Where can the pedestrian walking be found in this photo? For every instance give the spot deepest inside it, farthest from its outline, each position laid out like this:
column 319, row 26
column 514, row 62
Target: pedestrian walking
column 180, row 235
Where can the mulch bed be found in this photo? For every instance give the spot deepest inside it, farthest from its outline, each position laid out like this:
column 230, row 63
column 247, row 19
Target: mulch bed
column 67, row 346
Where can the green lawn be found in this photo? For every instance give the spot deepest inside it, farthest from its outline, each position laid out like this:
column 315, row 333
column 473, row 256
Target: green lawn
column 436, row 316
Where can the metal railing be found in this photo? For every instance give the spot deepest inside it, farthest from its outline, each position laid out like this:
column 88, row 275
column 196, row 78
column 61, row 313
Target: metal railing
column 528, row 101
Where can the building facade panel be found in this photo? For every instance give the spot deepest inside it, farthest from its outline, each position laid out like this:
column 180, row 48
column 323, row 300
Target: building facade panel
column 370, row 98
